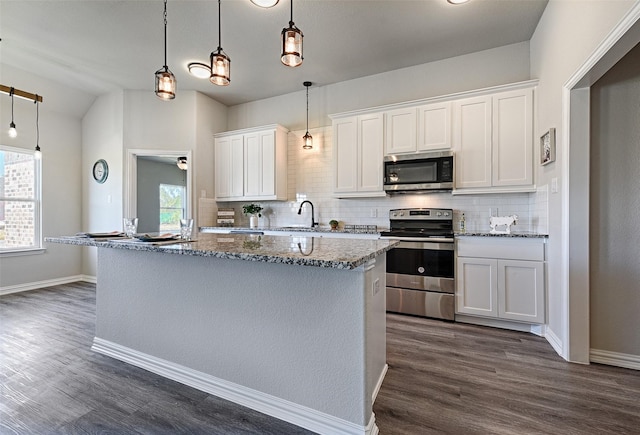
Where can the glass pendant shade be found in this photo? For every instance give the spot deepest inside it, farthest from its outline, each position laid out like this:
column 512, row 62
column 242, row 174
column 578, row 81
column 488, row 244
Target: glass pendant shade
column 199, row 70
column 292, row 46
column 165, row 84
column 37, row 154
column 220, row 68
column 12, row 130
column 165, row 80
column 182, row 163
column 307, row 141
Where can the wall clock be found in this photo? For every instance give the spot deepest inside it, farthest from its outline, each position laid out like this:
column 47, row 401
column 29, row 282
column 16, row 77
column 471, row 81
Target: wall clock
column 100, row 171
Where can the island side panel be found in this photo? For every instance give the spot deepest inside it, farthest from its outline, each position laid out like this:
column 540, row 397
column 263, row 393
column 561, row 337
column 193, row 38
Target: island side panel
column 294, row 332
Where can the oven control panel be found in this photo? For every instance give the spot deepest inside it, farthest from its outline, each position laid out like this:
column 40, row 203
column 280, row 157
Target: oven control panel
column 421, row 214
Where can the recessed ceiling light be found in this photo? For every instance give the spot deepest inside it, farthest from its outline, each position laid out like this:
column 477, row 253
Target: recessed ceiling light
column 455, row 2
column 200, row 70
column 265, row 3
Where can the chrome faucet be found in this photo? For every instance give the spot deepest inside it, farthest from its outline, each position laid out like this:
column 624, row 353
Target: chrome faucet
column 313, row 221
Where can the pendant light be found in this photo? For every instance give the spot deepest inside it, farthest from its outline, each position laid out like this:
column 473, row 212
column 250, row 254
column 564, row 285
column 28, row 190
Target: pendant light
column 220, row 62
column 37, row 154
column 307, row 138
column 12, row 127
column 165, row 80
column 292, row 44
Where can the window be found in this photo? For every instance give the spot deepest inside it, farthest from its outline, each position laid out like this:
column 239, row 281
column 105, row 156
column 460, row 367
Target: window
column 20, row 200
column 172, row 206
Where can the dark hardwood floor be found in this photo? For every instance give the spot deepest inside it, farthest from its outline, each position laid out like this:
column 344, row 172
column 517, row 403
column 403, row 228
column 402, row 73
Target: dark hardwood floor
column 443, row 378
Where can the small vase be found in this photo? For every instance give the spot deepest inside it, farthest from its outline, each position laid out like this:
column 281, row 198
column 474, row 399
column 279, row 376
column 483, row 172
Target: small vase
column 253, row 222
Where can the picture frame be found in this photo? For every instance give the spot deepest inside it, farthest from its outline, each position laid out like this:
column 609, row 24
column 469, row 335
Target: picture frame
column 548, row 147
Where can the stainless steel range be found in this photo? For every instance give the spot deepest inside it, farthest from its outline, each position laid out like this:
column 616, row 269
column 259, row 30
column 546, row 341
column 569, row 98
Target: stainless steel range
column 420, row 269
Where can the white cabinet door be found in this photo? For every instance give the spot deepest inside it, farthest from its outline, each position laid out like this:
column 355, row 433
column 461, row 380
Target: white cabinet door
column 370, row 149
column 477, row 286
column 237, row 167
column 513, row 138
column 222, row 155
column 401, row 131
column 472, row 142
column 345, row 143
column 259, row 164
column 434, row 126
column 521, row 290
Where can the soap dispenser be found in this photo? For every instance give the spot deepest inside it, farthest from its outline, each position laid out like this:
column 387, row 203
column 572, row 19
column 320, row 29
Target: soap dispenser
column 463, row 224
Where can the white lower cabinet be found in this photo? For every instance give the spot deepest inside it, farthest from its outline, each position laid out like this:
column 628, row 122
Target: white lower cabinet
column 502, row 278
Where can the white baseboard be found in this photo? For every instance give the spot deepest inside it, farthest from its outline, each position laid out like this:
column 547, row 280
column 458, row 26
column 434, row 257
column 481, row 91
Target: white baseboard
column 614, row 359
column 555, row 342
column 376, row 390
column 299, row 415
column 499, row 323
column 41, row 284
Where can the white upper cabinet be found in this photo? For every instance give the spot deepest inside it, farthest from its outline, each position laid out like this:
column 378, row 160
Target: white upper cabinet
column 358, row 152
column 418, row 129
column 401, row 131
column 251, row 164
column 434, row 127
column 229, row 154
column 513, row 138
column 493, row 142
column 472, row 138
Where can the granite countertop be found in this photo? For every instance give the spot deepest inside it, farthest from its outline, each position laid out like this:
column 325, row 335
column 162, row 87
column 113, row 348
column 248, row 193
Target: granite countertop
column 522, row 235
column 305, row 251
column 348, row 229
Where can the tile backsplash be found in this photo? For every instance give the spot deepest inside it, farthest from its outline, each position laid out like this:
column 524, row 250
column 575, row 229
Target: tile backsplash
column 310, row 175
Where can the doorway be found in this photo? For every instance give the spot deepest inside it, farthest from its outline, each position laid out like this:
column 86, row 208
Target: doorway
column 157, row 191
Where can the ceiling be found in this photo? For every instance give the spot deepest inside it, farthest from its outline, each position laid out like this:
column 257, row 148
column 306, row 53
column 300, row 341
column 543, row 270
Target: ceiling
column 99, row 46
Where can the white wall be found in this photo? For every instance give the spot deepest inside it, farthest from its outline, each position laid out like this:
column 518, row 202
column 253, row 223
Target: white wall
column 60, row 141
column 102, row 138
column 497, row 66
column 568, row 32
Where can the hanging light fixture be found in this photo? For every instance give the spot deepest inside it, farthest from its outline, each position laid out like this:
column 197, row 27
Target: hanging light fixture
column 182, row 163
column 12, row 127
column 219, row 69
column 165, row 80
column 292, row 44
column 37, row 154
column 307, row 138
column 220, row 62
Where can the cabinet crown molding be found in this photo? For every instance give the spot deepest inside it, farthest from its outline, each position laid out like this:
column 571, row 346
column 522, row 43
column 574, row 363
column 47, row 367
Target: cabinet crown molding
column 252, row 130
column 447, row 97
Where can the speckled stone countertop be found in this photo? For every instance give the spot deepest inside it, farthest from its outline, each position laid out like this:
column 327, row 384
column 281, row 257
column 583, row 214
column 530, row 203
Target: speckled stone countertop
column 304, row 251
column 522, row 235
column 357, row 229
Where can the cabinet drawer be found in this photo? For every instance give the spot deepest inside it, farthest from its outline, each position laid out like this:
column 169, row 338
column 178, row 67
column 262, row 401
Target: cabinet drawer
column 501, row 247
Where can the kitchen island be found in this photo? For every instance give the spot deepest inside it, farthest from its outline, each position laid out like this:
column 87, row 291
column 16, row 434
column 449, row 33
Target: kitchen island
column 291, row 327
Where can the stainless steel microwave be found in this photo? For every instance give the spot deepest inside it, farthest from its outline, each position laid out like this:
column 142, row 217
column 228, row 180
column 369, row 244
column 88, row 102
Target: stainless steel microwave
column 421, row 172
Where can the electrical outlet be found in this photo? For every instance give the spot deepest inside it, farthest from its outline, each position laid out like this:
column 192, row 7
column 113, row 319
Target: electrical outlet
column 374, row 212
column 108, row 199
column 554, row 185
column 376, row 287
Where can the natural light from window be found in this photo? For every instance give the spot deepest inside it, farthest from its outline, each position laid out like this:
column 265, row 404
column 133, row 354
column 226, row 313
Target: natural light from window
column 172, row 206
column 19, row 200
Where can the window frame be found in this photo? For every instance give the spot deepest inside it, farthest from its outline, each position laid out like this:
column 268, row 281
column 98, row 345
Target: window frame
column 183, row 207
column 38, row 246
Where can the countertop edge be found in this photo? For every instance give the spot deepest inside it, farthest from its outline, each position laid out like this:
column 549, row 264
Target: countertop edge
column 511, row 235
column 186, row 248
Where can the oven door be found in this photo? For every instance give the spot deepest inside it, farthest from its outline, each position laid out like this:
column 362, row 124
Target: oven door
column 422, row 265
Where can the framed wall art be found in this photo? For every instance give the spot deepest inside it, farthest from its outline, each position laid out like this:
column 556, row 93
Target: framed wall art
column 548, row 147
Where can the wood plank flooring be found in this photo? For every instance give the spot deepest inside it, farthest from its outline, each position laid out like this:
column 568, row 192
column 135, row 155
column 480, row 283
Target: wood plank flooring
column 444, row 378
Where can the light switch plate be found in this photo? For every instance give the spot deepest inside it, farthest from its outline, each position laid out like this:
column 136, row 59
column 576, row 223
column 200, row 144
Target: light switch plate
column 554, row 185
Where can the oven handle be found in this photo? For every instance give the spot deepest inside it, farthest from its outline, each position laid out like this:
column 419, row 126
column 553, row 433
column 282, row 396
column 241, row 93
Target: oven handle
column 427, row 246
column 420, row 239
